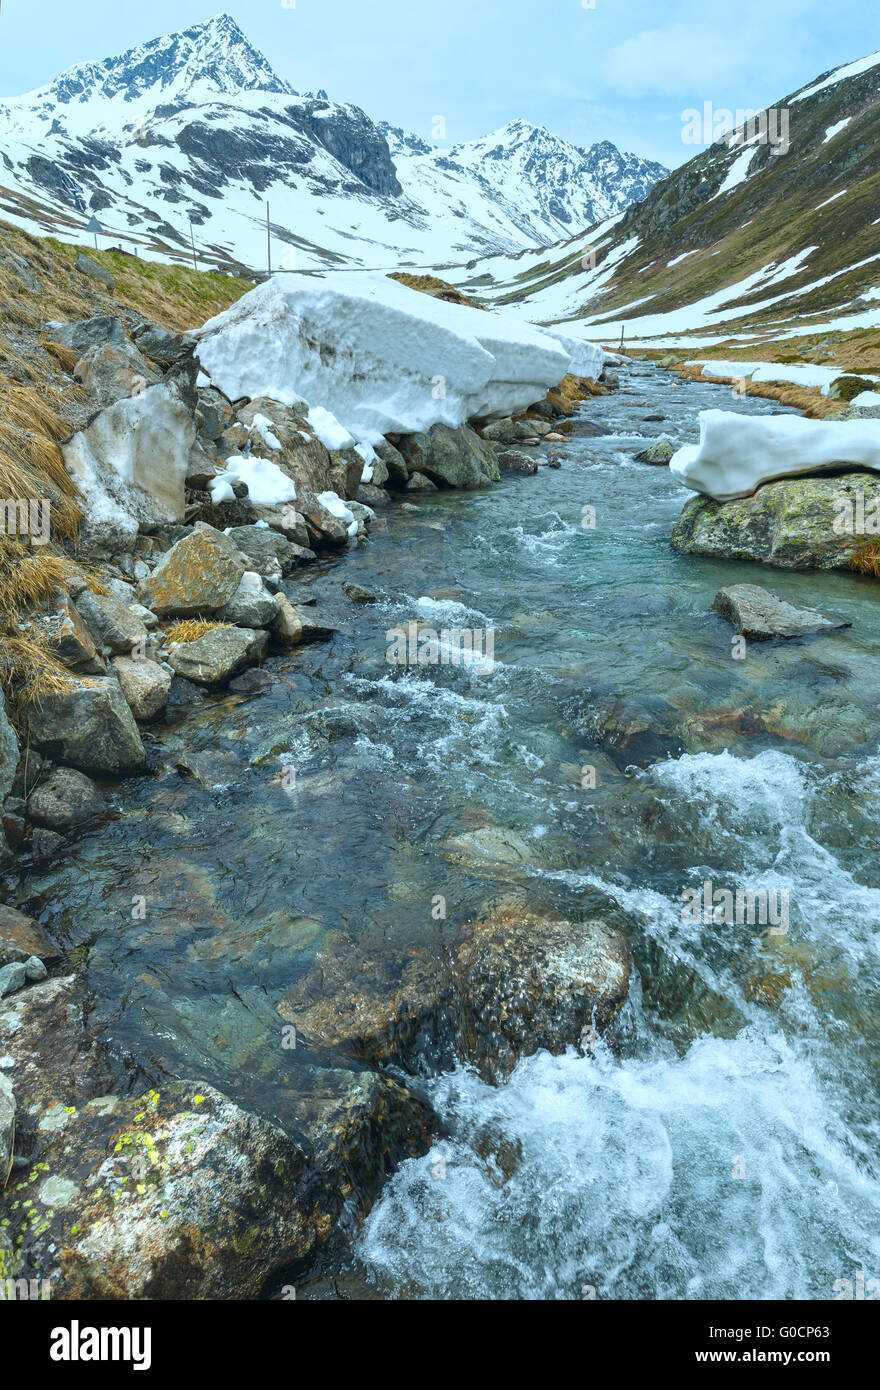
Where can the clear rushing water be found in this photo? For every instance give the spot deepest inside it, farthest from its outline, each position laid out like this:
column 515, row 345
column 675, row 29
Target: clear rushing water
column 728, row 1145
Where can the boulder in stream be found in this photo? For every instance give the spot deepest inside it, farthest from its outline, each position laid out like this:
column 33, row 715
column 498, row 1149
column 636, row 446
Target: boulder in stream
column 760, row 615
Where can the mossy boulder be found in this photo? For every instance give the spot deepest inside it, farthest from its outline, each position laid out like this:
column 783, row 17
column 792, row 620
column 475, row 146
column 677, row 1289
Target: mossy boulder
column 846, row 388
column 792, row 523
column 454, row 457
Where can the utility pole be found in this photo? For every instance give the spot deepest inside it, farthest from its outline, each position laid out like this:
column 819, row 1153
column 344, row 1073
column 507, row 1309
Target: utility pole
column 193, row 243
column 268, row 240
column 621, row 337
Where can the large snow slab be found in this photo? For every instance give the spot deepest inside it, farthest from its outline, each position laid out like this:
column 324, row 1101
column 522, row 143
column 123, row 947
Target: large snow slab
column 379, row 356
column 737, row 453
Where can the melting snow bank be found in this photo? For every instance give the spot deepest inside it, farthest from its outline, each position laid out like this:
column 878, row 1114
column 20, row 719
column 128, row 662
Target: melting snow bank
column 381, row 357
column 737, row 453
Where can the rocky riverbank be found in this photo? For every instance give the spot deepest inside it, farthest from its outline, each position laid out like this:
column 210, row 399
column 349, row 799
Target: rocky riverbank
column 121, row 1182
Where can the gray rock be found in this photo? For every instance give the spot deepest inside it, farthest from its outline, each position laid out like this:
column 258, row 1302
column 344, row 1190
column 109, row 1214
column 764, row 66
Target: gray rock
column 760, row 615
column 161, row 346
column 357, row 593
column 251, row 605
column 394, row 463
column 261, row 545
column 87, row 333
column 66, row 798
column 9, row 752
column 145, row 685
column 315, row 626
column 88, row 267
column 211, row 660
column 111, row 621
column 455, row 457
column 12, row 977
column 45, row 844
column 89, row 726
column 35, row 970
column 112, row 372
column 7, row 1137
column 420, row 482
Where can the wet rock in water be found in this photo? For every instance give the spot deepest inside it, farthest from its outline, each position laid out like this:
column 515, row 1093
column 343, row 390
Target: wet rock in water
column 197, row 575
column 217, row 655
column 251, row 605
column 518, row 982
column 631, row 733
column 456, row 457
column 515, row 461
column 66, row 799
column 494, row 843
column 21, row 937
column 372, row 496
column 760, row 615
column 287, row 627
column 183, row 694
column 324, row 527
column 111, row 621
column 586, row 429
column 357, row 593
column 88, row 725
column 420, row 482
column 254, row 681
column 177, row 1192
column 316, row 627
column 660, row 452
column 214, row 771
column 145, row 685
column 515, row 431
column 45, row 844
column 112, row 372
column 794, row 523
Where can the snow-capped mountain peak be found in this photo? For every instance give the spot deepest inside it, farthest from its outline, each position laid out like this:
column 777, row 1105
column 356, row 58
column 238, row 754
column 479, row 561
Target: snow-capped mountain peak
column 214, row 57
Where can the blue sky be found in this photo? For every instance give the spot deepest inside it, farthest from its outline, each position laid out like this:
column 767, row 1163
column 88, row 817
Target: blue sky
column 623, row 70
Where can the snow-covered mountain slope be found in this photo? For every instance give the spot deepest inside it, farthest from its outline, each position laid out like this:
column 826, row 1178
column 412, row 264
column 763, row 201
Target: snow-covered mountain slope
column 522, row 180
column 192, row 133
column 741, row 242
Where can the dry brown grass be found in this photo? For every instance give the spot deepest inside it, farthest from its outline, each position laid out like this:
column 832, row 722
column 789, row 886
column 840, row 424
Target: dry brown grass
column 433, row 285
column 866, row 560
column 28, row 672
column 190, row 629
column 809, row 399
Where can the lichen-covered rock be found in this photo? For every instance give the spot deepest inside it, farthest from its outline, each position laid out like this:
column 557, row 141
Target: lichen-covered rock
column 145, row 685
column 83, row 334
column 516, row 461
column 456, row 457
column 518, row 982
column 66, row 798
column 287, row 627
column 793, row 523
column 660, row 452
column 87, row 725
column 215, row 657
column 197, row 575
column 175, row 1191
